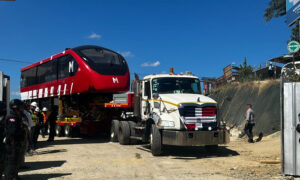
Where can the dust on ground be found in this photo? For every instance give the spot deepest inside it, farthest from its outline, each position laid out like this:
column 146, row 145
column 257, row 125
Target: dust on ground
column 77, row 158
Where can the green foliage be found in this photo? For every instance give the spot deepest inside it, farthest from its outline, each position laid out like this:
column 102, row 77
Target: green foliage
column 245, row 71
column 276, row 9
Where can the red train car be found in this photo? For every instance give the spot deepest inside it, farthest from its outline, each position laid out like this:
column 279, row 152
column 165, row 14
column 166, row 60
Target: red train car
column 78, row 80
column 79, row 70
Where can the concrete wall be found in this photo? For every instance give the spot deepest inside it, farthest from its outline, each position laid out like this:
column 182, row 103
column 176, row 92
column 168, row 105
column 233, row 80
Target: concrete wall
column 265, row 98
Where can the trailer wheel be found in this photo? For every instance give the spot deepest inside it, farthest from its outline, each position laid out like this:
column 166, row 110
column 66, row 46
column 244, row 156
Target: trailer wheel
column 124, row 133
column 114, row 131
column 58, row 130
column 211, row 148
column 155, row 141
column 68, row 131
column 132, row 132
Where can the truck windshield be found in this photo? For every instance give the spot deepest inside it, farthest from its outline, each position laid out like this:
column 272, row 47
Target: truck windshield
column 176, row 85
column 104, row 61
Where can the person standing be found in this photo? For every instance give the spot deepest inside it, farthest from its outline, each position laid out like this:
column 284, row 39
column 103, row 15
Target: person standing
column 15, row 138
column 2, row 146
column 52, row 122
column 38, row 123
column 45, row 119
column 250, row 123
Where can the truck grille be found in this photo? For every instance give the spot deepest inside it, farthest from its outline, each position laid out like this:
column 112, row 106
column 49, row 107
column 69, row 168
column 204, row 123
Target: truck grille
column 199, row 118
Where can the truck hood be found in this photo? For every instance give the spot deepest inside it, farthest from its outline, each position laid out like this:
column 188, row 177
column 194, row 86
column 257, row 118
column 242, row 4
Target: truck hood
column 177, row 99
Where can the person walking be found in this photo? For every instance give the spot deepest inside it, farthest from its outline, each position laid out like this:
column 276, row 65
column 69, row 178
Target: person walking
column 250, row 123
column 2, row 146
column 15, row 137
column 52, row 122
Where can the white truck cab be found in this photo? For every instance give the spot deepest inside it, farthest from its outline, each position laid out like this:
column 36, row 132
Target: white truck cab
column 169, row 109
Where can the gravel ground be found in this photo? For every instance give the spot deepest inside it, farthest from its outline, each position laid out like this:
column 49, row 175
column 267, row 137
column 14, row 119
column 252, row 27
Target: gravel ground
column 77, row 158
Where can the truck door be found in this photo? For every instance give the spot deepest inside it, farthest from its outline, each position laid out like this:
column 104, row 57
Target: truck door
column 146, row 96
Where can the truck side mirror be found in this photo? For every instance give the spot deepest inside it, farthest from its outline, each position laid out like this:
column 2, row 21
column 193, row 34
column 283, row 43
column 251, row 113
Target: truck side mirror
column 155, row 95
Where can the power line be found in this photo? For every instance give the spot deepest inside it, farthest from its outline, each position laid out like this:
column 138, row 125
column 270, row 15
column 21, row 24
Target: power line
column 15, row 61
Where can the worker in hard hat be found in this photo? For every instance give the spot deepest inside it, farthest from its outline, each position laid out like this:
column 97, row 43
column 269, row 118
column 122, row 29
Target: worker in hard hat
column 45, row 124
column 37, row 121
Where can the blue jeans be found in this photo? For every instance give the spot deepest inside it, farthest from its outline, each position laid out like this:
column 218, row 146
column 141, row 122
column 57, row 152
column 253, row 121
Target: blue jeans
column 248, row 130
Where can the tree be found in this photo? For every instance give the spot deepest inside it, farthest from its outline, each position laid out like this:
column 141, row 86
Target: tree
column 245, row 71
column 277, row 8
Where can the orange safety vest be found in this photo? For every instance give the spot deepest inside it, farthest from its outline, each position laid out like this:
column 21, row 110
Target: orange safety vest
column 45, row 117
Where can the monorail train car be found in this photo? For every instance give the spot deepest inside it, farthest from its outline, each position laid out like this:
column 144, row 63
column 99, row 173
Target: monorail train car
column 79, row 81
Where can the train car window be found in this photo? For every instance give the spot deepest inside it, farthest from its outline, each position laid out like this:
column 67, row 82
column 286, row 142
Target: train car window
column 104, row 61
column 67, row 66
column 28, row 77
column 47, row 71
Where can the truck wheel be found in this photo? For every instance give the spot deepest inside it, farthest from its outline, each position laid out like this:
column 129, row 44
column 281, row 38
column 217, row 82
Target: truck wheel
column 58, row 130
column 132, row 132
column 114, row 131
column 124, row 133
column 68, row 131
column 211, row 148
column 155, row 141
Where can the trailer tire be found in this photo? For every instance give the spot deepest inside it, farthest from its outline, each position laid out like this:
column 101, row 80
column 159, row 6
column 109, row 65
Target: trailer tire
column 68, row 131
column 58, row 130
column 132, row 125
column 155, row 141
column 114, row 131
column 124, row 133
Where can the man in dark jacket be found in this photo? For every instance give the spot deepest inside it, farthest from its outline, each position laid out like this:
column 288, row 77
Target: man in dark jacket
column 15, row 137
column 52, row 122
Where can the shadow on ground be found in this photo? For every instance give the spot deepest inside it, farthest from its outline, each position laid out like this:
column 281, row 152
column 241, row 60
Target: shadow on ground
column 193, row 153
column 43, row 176
column 42, row 165
column 43, row 144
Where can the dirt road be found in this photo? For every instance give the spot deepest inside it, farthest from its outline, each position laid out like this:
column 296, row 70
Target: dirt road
column 77, row 158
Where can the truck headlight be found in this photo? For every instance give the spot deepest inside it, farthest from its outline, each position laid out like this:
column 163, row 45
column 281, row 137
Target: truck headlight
column 166, row 123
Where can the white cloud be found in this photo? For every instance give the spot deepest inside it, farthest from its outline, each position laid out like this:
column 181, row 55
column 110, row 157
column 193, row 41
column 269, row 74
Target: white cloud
column 127, row 54
column 154, row 64
column 94, row 36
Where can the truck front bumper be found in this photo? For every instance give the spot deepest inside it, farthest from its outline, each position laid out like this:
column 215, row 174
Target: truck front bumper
column 194, row 138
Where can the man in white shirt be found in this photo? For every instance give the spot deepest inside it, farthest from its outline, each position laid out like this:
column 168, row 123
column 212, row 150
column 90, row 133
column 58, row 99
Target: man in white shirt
column 250, row 123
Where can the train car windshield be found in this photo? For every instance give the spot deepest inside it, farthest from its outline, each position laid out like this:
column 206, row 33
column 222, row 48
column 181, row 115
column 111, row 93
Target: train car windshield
column 104, row 61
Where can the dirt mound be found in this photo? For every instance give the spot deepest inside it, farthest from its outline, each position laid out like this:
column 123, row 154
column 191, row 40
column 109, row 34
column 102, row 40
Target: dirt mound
column 265, row 98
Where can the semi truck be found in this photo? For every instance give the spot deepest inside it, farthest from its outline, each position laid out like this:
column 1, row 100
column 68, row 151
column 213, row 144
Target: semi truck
column 167, row 109
column 90, row 86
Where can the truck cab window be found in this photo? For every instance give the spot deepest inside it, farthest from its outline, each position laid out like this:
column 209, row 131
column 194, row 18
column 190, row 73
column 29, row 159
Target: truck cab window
column 147, row 91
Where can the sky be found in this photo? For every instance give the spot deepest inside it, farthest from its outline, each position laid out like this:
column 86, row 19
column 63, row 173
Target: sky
column 153, row 35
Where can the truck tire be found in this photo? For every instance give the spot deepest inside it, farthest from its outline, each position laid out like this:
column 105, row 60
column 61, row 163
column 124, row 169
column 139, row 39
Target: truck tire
column 211, row 148
column 58, row 130
column 132, row 132
column 114, row 131
column 68, row 131
column 124, row 133
column 155, row 141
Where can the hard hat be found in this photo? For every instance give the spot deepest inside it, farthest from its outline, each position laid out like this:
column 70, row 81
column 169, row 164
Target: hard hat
column 44, row 109
column 33, row 104
column 15, row 103
column 37, row 109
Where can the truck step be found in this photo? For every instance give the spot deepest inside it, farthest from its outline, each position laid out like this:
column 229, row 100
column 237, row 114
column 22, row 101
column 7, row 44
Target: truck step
column 135, row 137
column 139, row 128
